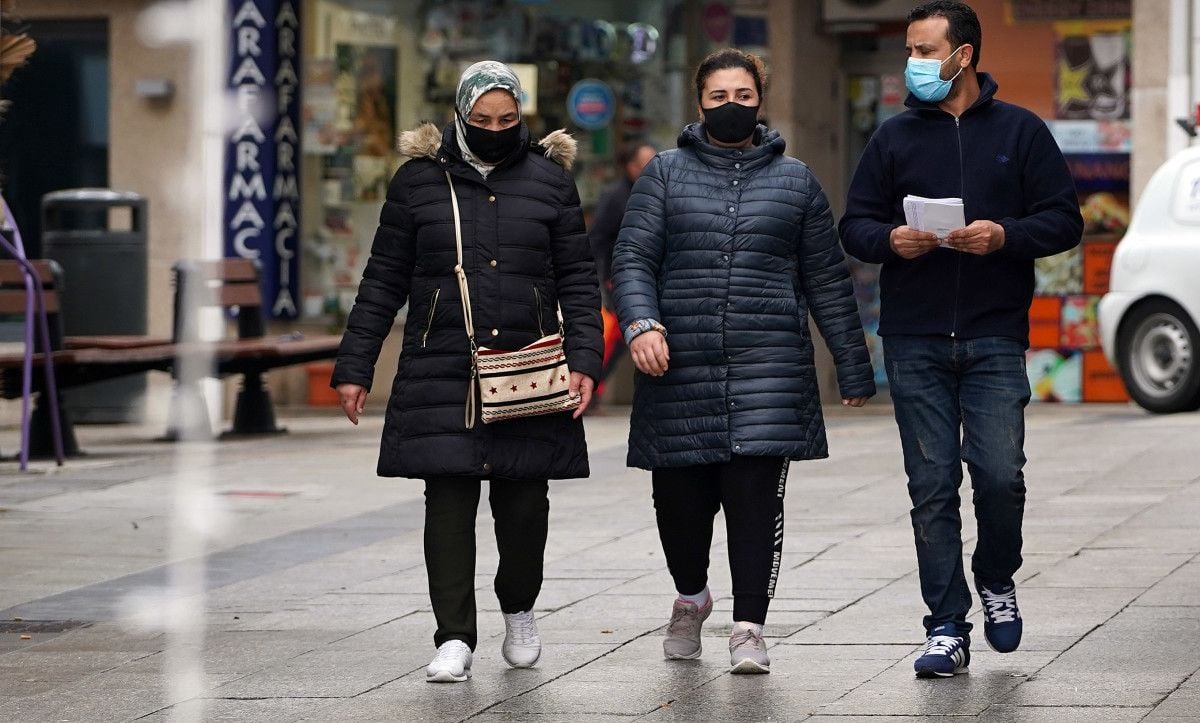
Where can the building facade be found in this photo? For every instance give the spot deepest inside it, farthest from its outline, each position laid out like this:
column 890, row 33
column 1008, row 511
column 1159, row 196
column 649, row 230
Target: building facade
column 613, row 73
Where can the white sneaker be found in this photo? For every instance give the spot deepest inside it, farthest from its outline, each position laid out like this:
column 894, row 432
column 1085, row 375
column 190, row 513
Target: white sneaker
column 452, row 664
column 522, row 647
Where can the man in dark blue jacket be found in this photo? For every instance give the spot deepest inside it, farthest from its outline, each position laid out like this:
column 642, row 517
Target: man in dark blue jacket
column 955, row 313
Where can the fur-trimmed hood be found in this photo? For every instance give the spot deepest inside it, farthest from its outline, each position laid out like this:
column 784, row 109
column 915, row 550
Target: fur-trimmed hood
column 425, row 140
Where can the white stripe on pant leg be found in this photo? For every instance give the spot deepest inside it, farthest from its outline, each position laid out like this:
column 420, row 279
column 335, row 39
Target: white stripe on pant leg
column 777, row 553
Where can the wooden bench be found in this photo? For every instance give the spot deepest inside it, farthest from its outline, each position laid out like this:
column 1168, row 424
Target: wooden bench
column 231, row 284
column 83, row 361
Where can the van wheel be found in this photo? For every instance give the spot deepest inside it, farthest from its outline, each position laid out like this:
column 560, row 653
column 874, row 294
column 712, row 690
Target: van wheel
column 1158, row 352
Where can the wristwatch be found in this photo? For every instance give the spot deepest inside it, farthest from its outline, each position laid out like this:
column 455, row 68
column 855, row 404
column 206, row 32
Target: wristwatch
column 641, row 326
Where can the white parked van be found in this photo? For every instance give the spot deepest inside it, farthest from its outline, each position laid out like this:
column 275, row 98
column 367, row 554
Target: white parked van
column 1148, row 317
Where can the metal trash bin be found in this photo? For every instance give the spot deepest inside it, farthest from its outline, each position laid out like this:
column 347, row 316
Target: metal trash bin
column 104, row 287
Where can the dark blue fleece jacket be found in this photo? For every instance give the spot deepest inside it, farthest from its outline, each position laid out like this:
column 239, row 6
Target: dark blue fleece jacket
column 1004, row 164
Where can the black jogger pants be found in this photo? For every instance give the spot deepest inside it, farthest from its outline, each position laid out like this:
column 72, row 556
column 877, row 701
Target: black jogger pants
column 750, row 489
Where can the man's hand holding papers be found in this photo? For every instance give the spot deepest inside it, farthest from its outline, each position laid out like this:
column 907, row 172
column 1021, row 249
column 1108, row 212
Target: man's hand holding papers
column 933, row 222
column 981, row 237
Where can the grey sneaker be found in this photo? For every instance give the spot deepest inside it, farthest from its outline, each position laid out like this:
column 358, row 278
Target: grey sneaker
column 747, row 651
column 683, row 632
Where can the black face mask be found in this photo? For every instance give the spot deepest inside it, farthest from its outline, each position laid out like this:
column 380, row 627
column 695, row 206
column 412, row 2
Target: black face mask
column 492, row 146
column 731, row 122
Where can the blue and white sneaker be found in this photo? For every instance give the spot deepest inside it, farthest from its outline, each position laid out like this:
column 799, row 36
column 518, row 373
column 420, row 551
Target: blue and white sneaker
column 1001, row 618
column 947, row 653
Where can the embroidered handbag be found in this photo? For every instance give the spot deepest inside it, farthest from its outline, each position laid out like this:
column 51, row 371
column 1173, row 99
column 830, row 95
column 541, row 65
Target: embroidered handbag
column 529, row 381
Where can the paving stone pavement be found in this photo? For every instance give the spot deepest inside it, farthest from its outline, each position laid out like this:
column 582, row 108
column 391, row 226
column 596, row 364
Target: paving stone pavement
column 316, row 606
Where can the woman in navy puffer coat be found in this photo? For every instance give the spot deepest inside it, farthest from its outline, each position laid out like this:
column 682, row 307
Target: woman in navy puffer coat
column 726, row 247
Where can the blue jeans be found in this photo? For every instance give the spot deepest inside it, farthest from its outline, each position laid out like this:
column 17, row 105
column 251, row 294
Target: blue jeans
column 961, row 400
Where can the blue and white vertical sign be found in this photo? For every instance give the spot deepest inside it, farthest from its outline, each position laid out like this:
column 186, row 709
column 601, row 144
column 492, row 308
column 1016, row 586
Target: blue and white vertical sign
column 262, row 201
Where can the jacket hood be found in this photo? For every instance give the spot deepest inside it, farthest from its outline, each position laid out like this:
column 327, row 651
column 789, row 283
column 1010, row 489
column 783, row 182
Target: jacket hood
column 987, row 93
column 425, row 141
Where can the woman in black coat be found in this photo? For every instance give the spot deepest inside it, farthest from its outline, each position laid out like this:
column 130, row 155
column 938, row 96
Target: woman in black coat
column 726, row 246
column 525, row 254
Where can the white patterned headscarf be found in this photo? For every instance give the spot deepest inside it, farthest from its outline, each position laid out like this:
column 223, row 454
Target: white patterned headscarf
column 476, row 80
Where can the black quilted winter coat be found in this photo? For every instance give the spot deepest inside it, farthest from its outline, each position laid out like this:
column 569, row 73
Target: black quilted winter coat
column 525, row 250
column 731, row 249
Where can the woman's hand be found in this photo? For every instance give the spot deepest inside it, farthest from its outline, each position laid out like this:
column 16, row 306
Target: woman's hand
column 354, row 400
column 581, row 386
column 650, row 353
column 855, row 401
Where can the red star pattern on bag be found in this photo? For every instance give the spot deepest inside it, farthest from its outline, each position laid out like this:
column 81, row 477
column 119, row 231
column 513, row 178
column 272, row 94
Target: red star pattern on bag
column 533, row 385
column 514, row 387
column 492, row 390
column 562, row 378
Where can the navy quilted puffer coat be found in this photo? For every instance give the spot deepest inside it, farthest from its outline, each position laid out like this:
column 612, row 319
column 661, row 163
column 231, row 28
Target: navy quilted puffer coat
column 731, row 249
column 525, row 251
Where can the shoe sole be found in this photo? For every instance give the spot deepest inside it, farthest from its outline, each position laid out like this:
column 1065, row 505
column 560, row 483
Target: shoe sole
column 445, row 676
column 522, row 666
column 749, row 667
column 675, row 656
column 926, row 674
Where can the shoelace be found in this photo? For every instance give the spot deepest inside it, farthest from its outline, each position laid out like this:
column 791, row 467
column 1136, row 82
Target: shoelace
column 744, row 637
column 1001, row 606
column 681, row 614
column 450, row 652
column 941, row 645
column 522, row 629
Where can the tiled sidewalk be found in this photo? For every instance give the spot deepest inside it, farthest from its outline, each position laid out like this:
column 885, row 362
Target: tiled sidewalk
column 317, row 607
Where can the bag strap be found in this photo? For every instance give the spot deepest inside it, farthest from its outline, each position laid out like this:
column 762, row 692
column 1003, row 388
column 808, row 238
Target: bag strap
column 464, row 294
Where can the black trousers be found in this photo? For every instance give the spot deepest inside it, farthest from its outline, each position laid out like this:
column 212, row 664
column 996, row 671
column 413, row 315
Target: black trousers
column 520, row 509
column 686, row 500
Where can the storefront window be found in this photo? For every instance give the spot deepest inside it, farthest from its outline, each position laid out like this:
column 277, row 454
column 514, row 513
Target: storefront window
column 611, row 73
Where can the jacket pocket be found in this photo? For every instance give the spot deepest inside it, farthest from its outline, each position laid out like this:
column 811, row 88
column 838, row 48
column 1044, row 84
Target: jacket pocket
column 433, row 300
column 537, row 306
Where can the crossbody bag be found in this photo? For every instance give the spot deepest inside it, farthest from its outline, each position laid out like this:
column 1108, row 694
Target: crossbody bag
column 527, row 382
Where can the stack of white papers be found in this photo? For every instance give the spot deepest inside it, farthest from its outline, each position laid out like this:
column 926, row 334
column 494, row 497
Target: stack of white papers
column 936, row 215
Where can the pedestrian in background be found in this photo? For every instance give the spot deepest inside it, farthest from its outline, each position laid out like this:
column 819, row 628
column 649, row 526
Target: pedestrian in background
column 610, row 210
column 726, row 247
column 602, row 234
column 955, row 313
column 525, row 254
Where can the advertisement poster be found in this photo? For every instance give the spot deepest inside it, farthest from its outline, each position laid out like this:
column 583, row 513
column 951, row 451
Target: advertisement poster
column 1101, row 383
column 365, row 87
column 1080, row 328
column 1045, row 315
column 1059, row 274
column 1093, row 73
column 1055, row 375
column 320, row 107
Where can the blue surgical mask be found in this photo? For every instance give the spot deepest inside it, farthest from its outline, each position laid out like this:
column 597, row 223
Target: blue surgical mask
column 924, row 78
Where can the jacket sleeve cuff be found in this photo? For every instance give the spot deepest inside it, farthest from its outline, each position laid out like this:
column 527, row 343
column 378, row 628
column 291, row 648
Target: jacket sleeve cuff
column 344, row 375
column 585, row 362
column 859, row 389
column 641, row 326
